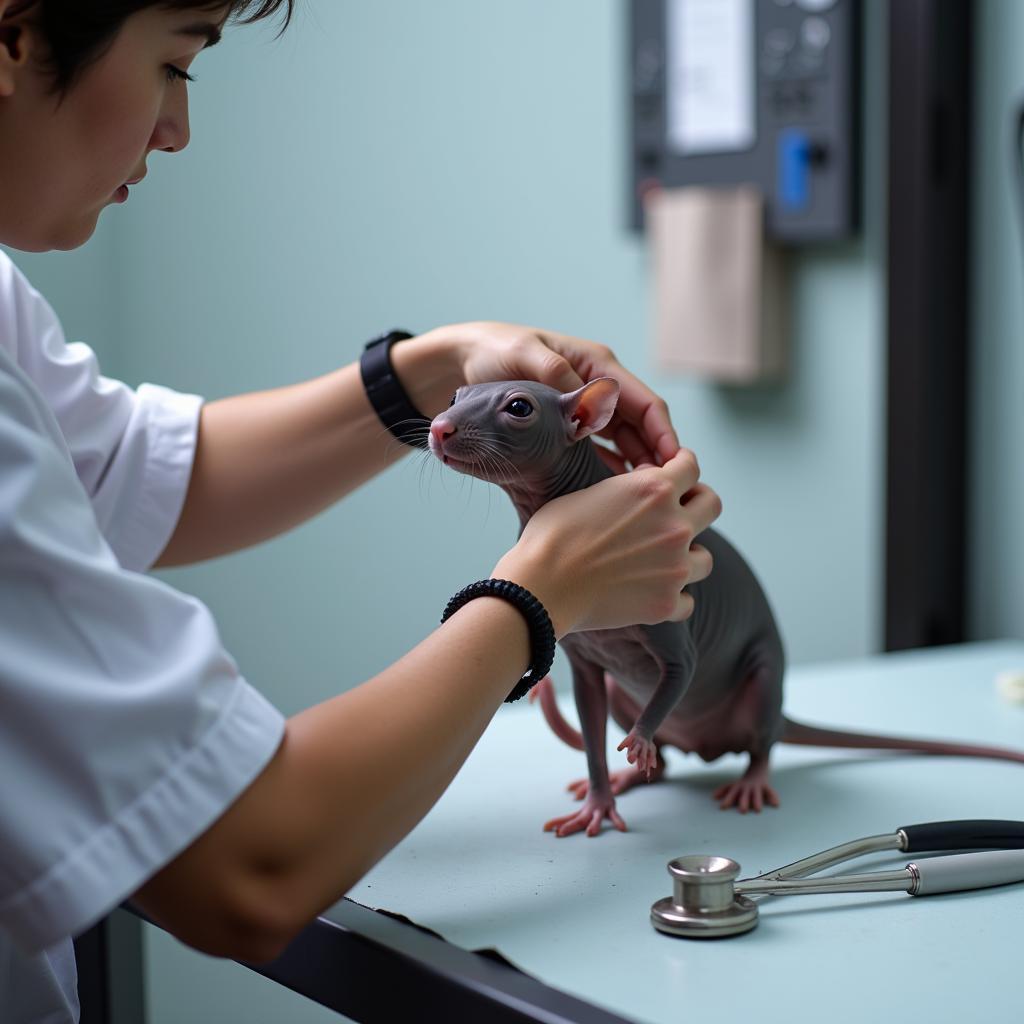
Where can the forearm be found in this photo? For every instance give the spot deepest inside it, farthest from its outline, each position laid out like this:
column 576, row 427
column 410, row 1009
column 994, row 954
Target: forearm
column 356, row 773
column 352, row 777
column 269, row 460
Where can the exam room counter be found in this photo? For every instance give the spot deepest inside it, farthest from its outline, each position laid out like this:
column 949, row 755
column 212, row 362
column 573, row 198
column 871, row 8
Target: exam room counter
column 572, row 914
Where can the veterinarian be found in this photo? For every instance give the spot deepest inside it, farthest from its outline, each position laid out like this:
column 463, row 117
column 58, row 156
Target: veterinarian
column 137, row 763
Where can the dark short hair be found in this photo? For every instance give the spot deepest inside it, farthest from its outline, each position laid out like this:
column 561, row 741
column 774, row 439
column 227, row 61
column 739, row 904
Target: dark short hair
column 78, row 31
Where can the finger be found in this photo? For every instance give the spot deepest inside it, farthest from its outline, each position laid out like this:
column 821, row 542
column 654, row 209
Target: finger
column 537, row 360
column 638, row 404
column 613, row 460
column 647, row 414
column 644, row 412
column 683, row 609
column 702, row 505
column 684, row 470
column 625, row 437
column 701, row 563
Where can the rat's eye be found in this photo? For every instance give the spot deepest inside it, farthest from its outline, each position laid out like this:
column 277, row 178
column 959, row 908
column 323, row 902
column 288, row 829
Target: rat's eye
column 519, row 407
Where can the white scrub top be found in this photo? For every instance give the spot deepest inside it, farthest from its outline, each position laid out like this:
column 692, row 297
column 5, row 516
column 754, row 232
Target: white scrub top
column 126, row 730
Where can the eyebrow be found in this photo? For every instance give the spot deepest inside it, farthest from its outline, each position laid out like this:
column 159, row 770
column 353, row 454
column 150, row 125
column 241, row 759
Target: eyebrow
column 205, row 29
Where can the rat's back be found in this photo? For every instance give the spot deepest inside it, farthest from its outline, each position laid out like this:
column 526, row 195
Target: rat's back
column 731, row 633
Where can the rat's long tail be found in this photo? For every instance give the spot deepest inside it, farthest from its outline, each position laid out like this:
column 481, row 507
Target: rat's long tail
column 544, row 691
column 812, row 736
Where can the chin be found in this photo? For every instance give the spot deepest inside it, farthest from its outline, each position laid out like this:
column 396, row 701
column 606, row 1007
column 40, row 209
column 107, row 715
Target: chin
column 74, row 236
column 26, row 241
column 63, row 241
column 73, row 230
column 69, row 225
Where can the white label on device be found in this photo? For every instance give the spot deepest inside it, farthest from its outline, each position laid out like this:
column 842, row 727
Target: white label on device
column 711, row 87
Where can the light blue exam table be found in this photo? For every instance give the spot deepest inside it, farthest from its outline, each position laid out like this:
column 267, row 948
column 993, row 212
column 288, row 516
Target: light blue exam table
column 573, row 913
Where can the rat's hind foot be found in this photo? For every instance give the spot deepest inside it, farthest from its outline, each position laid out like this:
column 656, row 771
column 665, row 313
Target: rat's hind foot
column 589, row 817
column 750, row 793
column 622, row 780
column 641, row 752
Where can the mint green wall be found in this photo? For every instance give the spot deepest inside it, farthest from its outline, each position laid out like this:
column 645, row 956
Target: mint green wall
column 997, row 495
column 415, row 164
column 410, row 163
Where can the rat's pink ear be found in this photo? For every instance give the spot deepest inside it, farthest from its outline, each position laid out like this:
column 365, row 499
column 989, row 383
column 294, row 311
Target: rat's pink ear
column 589, row 409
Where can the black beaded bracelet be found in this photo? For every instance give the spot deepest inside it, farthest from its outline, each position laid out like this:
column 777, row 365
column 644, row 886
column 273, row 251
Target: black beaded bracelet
column 542, row 633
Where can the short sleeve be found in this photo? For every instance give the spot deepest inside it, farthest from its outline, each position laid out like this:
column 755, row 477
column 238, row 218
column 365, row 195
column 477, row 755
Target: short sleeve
column 132, row 450
column 126, row 729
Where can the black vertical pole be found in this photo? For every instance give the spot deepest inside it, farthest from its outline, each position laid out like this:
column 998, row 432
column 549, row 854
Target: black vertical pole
column 110, row 971
column 929, row 154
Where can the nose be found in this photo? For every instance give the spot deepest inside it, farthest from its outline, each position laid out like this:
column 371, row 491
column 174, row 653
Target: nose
column 442, row 430
column 171, row 133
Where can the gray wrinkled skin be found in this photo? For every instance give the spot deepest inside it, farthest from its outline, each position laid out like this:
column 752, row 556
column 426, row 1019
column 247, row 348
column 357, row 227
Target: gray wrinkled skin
column 710, row 685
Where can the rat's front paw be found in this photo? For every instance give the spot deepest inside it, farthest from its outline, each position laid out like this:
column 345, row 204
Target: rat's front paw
column 589, row 817
column 641, row 752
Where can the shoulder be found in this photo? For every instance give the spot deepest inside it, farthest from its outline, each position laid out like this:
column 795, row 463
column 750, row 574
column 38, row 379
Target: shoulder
column 7, row 269
column 25, row 316
column 13, row 283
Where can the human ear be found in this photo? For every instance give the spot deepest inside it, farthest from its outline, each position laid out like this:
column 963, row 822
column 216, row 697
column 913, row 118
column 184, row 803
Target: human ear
column 589, row 408
column 15, row 43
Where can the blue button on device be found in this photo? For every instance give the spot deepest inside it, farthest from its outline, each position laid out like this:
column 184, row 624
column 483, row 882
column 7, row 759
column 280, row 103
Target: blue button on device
column 794, row 170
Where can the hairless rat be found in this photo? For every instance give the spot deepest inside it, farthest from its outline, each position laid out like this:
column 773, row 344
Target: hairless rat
column 710, row 685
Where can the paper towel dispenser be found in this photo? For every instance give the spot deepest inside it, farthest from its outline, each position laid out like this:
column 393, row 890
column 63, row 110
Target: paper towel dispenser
column 750, row 92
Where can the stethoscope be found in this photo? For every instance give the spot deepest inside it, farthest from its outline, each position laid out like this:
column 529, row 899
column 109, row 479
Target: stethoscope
column 708, row 902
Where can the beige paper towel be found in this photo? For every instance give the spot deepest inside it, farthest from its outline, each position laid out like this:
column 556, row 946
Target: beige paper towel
column 720, row 289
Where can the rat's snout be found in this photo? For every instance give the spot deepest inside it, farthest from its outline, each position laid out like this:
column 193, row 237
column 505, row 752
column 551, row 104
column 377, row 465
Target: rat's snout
column 440, row 430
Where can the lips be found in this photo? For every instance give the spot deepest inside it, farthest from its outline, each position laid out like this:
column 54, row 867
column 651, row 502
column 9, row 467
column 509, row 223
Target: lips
column 451, row 460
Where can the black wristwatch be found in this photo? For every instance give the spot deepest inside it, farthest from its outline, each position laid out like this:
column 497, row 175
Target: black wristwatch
column 386, row 394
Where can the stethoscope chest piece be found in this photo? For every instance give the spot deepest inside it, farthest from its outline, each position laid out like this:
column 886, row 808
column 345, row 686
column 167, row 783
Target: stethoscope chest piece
column 703, row 903
column 708, row 902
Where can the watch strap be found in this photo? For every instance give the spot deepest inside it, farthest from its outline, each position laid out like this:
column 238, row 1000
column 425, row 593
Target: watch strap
column 386, row 394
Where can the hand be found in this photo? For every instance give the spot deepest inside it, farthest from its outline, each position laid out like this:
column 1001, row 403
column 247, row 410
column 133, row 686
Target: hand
column 618, row 553
column 433, row 365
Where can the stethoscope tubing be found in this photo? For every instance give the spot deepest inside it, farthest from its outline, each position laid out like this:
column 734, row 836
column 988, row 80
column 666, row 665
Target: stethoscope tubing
column 928, row 837
column 953, row 872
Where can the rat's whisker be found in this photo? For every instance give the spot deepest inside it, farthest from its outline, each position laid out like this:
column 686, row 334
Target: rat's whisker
column 417, row 430
column 502, row 462
column 414, row 431
column 426, row 467
column 496, row 439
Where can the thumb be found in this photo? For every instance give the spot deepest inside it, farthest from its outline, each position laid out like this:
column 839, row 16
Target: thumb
column 544, row 364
